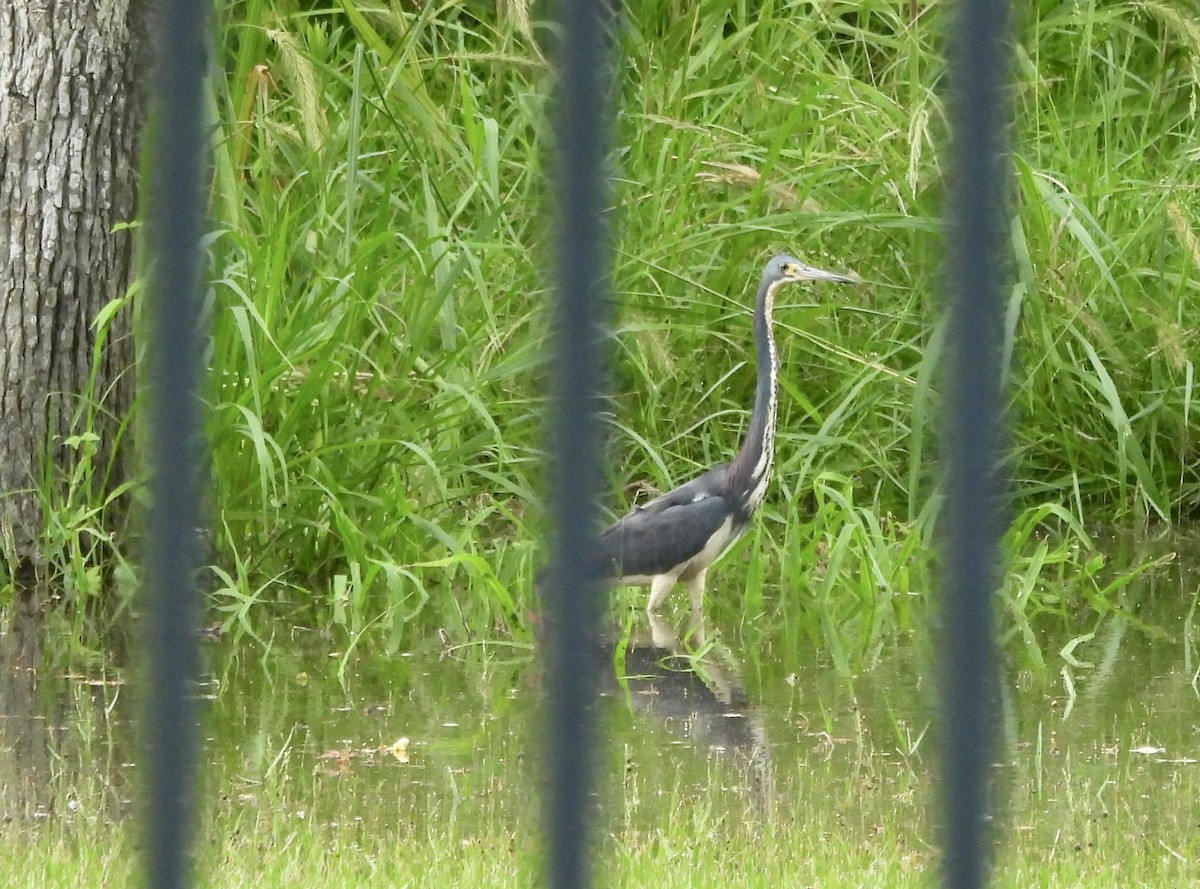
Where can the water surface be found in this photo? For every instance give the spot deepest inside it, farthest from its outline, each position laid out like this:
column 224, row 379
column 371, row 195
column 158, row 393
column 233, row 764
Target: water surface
column 736, row 735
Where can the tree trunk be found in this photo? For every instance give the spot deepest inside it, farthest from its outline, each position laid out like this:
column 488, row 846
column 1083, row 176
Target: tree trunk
column 71, row 112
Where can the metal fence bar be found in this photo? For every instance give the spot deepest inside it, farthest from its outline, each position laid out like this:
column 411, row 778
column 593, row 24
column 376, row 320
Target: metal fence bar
column 974, row 431
column 174, row 224
column 571, row 592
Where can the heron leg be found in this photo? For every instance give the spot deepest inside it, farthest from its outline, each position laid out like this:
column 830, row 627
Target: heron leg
column 695, row 588
column 662, row 634
column 660, row 586
column 697, row 634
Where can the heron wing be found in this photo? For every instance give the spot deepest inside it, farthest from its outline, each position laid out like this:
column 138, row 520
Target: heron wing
column 660, row 536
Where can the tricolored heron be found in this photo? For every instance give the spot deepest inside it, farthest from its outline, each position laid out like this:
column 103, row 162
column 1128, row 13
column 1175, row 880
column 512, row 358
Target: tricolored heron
column 676, row 537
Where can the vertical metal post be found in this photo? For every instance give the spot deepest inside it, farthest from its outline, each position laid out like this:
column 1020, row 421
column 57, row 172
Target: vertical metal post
column 974, row 438
column 174, row 224
column 571, row 591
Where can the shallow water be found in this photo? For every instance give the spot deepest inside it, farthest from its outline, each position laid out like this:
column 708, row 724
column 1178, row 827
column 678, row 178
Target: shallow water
column 1096, row 751
column 1108, row 743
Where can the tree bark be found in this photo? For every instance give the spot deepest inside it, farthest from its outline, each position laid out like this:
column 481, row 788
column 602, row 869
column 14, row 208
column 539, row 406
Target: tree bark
column 71, row 113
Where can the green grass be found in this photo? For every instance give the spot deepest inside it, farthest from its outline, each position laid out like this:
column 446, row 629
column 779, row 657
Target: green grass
column 825, row 849
column 378, row 363
column 378, row 360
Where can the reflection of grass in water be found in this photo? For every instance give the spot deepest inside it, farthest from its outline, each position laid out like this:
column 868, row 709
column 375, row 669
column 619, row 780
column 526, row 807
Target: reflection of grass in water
column 1098, row 797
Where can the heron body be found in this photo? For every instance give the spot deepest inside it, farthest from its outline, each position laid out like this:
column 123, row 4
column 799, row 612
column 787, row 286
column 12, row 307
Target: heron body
column 677, row 536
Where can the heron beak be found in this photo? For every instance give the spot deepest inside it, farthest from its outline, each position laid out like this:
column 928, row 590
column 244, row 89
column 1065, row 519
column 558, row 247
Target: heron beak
column 808, row 273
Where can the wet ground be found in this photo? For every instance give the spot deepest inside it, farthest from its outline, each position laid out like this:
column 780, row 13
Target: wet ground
column 1098, row 747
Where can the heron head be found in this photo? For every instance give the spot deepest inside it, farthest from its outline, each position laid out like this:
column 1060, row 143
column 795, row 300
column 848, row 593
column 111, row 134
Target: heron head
column 789, row 268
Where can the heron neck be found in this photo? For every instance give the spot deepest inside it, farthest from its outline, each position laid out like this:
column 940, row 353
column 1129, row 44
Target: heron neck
column 752, row 466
